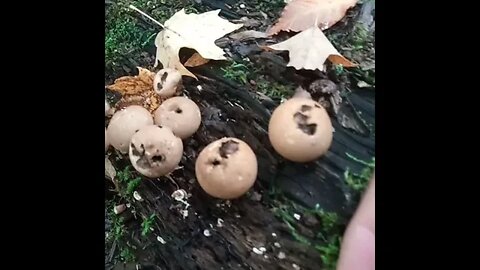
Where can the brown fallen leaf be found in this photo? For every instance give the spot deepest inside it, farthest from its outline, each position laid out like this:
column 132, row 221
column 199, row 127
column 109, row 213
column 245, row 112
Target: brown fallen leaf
column 300, row 15
column 310, row 49
column 136, row 90
column 149, row 100
column 194, row 31
column 130, row 85
column 196, row 60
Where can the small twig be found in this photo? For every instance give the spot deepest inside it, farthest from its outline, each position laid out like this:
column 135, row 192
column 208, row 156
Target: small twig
column 112, row 251
column 152, row 19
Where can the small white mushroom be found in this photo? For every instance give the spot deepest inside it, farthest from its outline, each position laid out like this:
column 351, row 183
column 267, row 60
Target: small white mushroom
column 300, row 130
column 124, row 124
column 155, row 151
column 226, row 168
column 166, row 82
column 180, row 114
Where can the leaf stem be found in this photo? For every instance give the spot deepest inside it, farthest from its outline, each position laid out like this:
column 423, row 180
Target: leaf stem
column 152, row 19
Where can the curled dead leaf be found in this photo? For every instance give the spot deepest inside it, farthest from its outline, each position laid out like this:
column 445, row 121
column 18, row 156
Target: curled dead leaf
column 185, row 31
column 196, row 60
column 110, row 171
column 131, row 85
column 149, row 100
column 300, row 15
column 310, row 49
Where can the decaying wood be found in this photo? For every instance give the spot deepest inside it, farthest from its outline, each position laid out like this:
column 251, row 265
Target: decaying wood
column 248, row 223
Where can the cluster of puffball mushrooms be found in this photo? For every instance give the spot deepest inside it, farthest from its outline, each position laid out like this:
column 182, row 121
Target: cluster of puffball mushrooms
column 299, row 130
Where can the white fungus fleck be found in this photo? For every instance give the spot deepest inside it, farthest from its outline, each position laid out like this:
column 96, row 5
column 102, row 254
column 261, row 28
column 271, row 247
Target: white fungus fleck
column 207, row 233
column 219, row 222
column 179, row 194
column 161, row 240
column 281, row 255
column 242, row 6
column 257, row 251
column 274, row 234
column 137, row 196
column 296, row 216
column 296, row 267
column 277, row 245
column 262, row 249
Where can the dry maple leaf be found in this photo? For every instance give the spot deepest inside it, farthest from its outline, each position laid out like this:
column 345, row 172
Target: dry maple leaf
column 149, row 100
column 131, row 85
column 194, row 31
column 299, row 15
column 196, row 60
column 136, row 90
column 310, row 49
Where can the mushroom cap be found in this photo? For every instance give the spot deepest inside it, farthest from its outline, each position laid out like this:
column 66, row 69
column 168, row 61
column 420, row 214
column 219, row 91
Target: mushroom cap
column 106, row 140
column 180, row 114
column 155, row 151
column 166, row 82
column 300, row 130
column 226, row 168
column 125, row 123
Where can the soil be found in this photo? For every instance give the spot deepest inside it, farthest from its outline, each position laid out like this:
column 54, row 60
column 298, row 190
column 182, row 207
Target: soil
column 281, row 222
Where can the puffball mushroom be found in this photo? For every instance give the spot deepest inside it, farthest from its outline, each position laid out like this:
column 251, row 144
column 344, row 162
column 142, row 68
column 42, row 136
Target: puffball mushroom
column 300, row 130
column 180, row 114
column 155, row 151
column 166, row 82
column 226, row 168
column 125, row 123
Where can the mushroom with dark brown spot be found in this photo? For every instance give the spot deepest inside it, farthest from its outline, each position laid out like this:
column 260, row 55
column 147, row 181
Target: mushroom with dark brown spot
column 155, row 151
column 167, row 82
column 226, row 168
column 300, row 130
column 124, row 124
column 180, row 114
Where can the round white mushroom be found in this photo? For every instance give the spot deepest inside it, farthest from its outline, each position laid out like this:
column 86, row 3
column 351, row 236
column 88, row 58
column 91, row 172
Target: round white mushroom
column 180, row 114
column 124, row 124
column 226, row 168
column 166, row 82
column 300, row 130
column 155, row 151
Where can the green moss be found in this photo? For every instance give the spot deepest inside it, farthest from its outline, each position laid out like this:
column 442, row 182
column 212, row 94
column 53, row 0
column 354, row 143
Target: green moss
column 237, row 72
column 272, row 8
column 274, row 89
column 117, row 235
column 127, row 34
column 327, row 238
column 147, row 224
column 359, row 181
